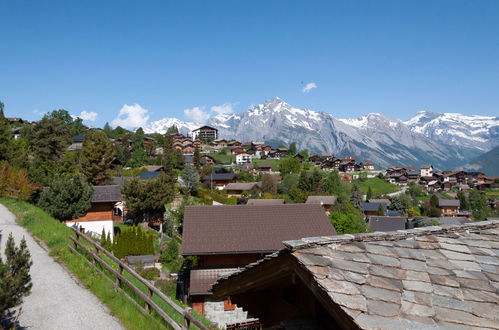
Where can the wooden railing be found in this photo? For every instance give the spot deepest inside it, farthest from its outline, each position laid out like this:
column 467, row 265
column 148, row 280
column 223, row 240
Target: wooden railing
column 120, row 280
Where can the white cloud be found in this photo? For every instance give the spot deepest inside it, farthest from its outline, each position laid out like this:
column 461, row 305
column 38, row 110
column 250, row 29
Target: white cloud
column 197, row 114
column 131, row 116
column 223, row 109
column 87, row 115
column 308, row 87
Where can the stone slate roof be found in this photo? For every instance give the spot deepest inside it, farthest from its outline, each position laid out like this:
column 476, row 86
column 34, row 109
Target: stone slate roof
column 430, row 277
column 219, row 176
column 380, row 200
column 387, row 223
column 148, row 175
column 103, row 194
column 452, row 220
column 322, row 200
column 233, row 229
column 449, row 202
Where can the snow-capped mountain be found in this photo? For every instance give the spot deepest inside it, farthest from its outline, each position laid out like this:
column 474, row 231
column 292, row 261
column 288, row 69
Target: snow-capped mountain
column 383, row 140
column 162, row 125
column 480, row 132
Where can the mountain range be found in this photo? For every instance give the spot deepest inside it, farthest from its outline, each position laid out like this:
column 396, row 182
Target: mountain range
column 444, row 140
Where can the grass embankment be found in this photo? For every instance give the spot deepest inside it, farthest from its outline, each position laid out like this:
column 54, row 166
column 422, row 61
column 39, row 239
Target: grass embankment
column 56, row 236
column 378, row 186
column 492, row 193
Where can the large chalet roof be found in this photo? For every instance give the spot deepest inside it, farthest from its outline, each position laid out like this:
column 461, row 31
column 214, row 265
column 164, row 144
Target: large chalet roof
column 241, row 185
column 372, row 206
column 424, row 278
column 103, row 194
column 247, row 229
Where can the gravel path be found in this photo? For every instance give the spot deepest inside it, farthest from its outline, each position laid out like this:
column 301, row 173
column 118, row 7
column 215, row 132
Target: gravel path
column 56, row 300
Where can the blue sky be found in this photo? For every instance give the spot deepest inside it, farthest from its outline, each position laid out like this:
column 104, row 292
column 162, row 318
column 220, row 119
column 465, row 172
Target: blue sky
column 163, row 57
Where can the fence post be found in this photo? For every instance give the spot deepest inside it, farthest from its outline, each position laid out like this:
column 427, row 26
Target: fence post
column 118, row 280
column 149, row 295
column 78, row 239
column 187, row 321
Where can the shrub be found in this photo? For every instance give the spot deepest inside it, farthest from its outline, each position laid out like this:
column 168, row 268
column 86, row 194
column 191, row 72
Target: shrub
column 168, row 287
column 149, row 273
column 133, row 241
column 15, row 183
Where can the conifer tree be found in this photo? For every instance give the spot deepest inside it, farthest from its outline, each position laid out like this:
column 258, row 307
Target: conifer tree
column 369, row 193
column 15, row 280
column 138, row 152
column 97, row 157
column 67, row 197
column 168, row 157
column 197, row 158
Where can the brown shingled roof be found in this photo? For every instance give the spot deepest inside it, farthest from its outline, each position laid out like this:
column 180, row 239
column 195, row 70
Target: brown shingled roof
column 268, row 201
column 245, row 229
column 111, row 193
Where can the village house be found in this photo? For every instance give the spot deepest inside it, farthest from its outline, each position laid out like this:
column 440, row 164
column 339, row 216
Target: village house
column 205, row 133
column 449, row 207
column 367, row 165
column 424, row 278
column 218, row 180
column 264, row 167
column 373, row 208
column 76, row 142
column 387, row 223
column 326, row 202
column 243, row 158
column 237, row 150
column 426, row 170
column 230, row 237
column 236, row 189
column 103, row 211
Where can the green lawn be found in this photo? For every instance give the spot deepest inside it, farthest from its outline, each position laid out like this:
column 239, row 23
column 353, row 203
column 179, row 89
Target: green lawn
column 56, row 237
column 492, row 193
column 378, row 186
column 222, row 158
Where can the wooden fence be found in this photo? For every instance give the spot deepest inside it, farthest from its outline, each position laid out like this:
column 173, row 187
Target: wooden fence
column 120, row 280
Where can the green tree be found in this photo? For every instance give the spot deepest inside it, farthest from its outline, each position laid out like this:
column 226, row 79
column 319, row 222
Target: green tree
column 463, row 201
column 356, row 197
column 434, row 201
column 381, row 210
column 269, row 184
column 97, row 157
column 168, row 156
column 2, row 115
column 292, row 149
column 369, row 193
column 145, row 197
column 108, row 130
column 5, row 138
column 304, row 181
column 333, row 185
column 67, row 197
column 190, row 178
column 289, row 165
column 289, row 182
column 172, row 130
column 347, row 219
column 170, row 255
column 478, row 205
column 138, row 152
column 15, row 280
column 197, row 158
column 50, row 137
column 305, row 154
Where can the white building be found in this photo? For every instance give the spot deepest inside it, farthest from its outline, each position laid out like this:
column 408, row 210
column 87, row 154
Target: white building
column 243, row 158
column 426, row 170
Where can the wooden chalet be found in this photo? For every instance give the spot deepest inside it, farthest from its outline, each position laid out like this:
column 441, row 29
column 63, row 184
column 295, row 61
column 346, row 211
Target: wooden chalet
column 105, row 209
column 205, row 133
column 218, row 180
column 449, row 207
column 236, row 189
column 264, row 167
column 372, row 208
column 225, row 238
column 392, row 280
column 326, row 202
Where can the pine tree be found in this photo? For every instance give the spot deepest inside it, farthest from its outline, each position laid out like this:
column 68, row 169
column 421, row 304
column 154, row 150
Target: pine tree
column 190, row 179
column 67, row 197
column 292, row 149
column 463, row 201
column 356, row 198
column 138, row 152
column 50, row 137
column 369, row 193
column 304, row 182
column 197, row 158
column 108, row 130
column 168, row 157
column 103, row 238
column 381, row 210
column 15, row 280
column 5, row 137
column 97, row 157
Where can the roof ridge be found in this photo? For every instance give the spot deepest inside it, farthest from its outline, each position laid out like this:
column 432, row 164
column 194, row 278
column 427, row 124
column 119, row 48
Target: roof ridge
column 308, row 242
